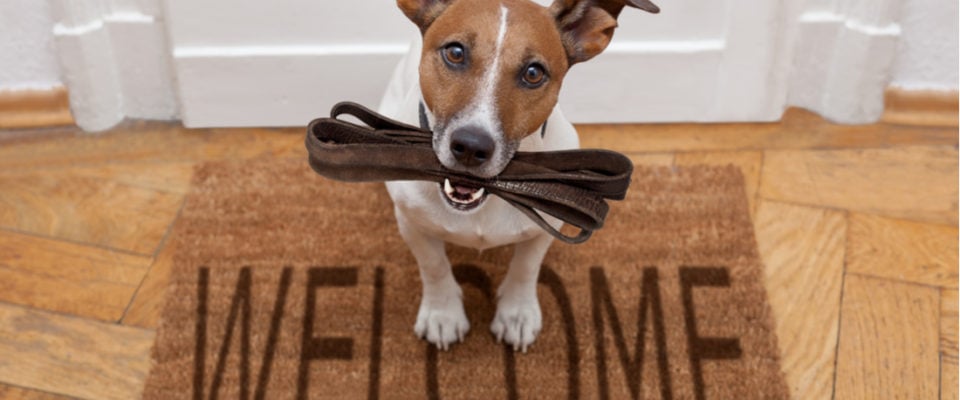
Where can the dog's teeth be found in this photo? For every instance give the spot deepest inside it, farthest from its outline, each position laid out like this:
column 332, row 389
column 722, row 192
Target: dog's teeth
column 447, row 186
column 455, row 195
column 476, row 195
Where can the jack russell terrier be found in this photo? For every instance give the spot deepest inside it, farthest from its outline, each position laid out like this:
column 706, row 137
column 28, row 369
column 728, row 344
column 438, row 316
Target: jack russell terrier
column 484, row 78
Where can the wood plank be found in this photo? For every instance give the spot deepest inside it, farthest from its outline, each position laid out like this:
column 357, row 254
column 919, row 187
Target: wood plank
column 888, row 340
column 8, row 392
column 921, row 107
column 802, row 249
column 173, row 176
column 916, row 183
column 59, row 204
column 141, row 141
column 35, row 108
column 903, row 250
column 144, row 310
column 749, row 163
column 948, row 381
column 799, row 129
column 66, row 277
column 948, row 325
column 28, row 135
column 72, row 356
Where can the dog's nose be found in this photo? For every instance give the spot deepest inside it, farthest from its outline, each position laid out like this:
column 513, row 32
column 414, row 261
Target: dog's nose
column 471, row 146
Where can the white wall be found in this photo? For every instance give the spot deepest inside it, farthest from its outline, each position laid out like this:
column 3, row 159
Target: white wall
column 27, row 54
column 927, row 54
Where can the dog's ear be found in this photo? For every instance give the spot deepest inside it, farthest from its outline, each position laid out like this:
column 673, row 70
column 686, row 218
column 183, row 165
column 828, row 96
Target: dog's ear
column 423, row 12
column 586, row 26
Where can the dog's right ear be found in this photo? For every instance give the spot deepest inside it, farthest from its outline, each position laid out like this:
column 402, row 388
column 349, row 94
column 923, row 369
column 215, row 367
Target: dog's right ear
column 423, row 12
column 586, row 26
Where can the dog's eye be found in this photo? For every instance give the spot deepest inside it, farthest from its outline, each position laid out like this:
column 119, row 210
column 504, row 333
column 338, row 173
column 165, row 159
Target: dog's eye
column 534, row 75
column 454, row 54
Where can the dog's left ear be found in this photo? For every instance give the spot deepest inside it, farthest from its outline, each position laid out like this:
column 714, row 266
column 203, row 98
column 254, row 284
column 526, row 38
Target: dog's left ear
column 586, row 26
column 423, row 12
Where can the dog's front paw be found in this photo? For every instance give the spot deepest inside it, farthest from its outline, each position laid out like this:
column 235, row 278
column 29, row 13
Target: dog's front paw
column 518, row 320
column 441, row 320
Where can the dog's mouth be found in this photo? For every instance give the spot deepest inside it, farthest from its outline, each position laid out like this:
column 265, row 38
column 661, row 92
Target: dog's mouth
column 462, row 196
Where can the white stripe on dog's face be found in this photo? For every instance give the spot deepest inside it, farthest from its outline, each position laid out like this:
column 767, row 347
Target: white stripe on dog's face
column 482, row 113
column 485, row 94
column 485, row 105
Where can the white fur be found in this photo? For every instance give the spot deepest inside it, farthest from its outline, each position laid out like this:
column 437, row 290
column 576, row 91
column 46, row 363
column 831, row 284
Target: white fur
column 426, row 221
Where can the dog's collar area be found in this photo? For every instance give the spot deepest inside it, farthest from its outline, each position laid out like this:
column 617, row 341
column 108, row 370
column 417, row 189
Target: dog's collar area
column 425, row 123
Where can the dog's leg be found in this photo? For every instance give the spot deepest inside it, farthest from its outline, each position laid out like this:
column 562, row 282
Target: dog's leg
column 518, row 319
column 441, row 319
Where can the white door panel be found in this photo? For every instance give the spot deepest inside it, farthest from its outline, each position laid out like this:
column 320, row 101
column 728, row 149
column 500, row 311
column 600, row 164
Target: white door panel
column 645, row 82
column 285, row 22
column 283, row 62
column 249, row 62
column 285, row 88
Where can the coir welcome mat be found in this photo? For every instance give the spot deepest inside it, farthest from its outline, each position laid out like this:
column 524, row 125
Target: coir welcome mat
column 287, row 285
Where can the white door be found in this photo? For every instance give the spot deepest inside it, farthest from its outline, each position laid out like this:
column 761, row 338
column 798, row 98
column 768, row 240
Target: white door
column 254, row 62
column 284, row 62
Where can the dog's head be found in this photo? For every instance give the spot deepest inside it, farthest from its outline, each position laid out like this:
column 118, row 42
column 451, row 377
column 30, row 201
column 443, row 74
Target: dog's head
column 491, row 70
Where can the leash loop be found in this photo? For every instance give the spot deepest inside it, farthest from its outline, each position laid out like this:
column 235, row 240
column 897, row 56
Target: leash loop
column 570, row 185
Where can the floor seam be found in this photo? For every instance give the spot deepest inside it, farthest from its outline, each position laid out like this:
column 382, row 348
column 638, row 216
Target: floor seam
column 73, row 242
column 845, row 210
column 900, row 281
column 843, row 289
column 33, row 389
column 939, row 350
column 61, row 314
column 156, row 255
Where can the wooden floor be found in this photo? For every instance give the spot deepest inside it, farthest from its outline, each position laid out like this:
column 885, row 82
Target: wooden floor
column 857, row 226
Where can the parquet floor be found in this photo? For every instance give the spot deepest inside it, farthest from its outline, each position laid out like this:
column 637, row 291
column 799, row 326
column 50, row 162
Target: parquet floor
column 857, row 226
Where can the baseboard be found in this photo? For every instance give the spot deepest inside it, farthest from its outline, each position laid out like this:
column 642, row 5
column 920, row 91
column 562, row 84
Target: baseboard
column 921, row 107
column 35, row 108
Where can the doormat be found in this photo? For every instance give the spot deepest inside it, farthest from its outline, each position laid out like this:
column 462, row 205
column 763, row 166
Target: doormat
column 290, row 286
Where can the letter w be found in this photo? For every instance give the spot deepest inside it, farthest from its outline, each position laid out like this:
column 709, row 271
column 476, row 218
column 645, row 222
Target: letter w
column 240, row 303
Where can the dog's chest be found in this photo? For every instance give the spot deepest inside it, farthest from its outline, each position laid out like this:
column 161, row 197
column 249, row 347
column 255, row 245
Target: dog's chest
column 495, row 223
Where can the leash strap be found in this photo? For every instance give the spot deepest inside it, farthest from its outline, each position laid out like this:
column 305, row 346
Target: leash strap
column 571, row 185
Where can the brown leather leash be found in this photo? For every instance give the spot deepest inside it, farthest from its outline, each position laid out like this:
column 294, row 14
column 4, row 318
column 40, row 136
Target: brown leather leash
column 572, row 185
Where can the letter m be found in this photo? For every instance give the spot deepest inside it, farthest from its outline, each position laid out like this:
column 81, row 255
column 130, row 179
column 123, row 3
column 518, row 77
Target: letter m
column 602, row 303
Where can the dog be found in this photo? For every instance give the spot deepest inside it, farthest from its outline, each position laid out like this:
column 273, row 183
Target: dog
column 485, row 77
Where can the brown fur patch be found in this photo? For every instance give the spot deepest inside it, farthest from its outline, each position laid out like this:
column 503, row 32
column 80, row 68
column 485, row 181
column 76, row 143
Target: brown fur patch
column 421, row 12
column 473, row 23
column 588, row 35
column 532, row 36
